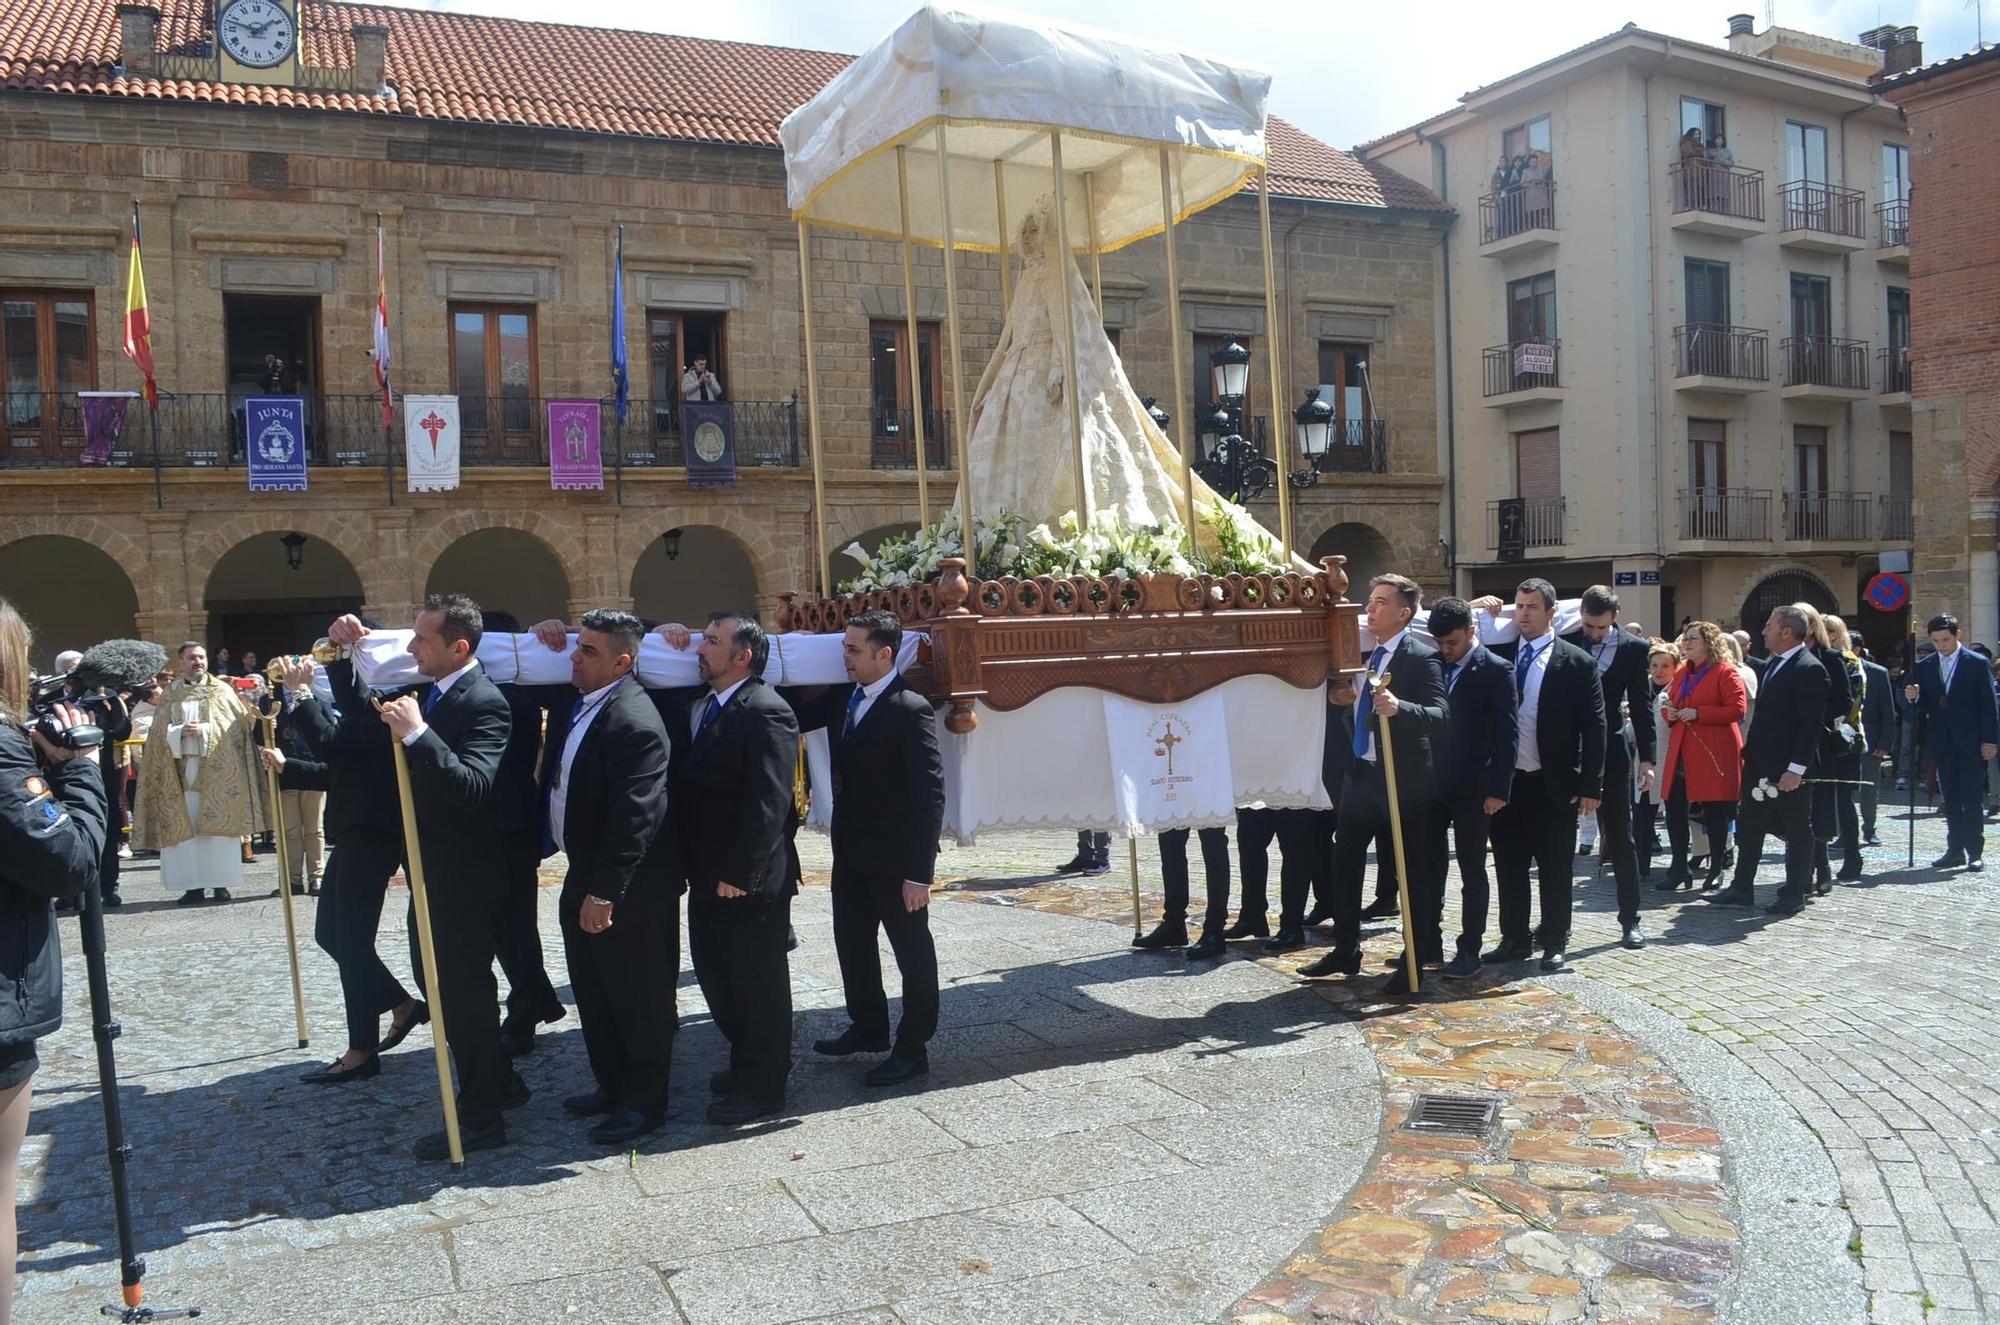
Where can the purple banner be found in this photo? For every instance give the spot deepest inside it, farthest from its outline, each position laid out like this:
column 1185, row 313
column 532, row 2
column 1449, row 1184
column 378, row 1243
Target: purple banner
column 576, row 457
column 274, row 427
column 103, row 426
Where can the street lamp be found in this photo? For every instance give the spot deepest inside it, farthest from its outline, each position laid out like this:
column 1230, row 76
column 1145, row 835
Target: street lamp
column 1159, row 416
column 295, row 549
column 1234, row 466
column 670, row 543
column 1231, row 367
column 1314, row 421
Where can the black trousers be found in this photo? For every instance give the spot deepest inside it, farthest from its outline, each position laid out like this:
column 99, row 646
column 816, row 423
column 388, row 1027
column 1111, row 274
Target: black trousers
column 1962, row 788
column 863, row 904
column 1614, row 822
column 738, row 945
column 624, row 981
column 1215, row 866
column 1867, row 796
column 517, row 939
column 1465, row 821
column 1645, row 815
column 1790, row 817
column 1305, row 839
column 1256, row 829
column 1713, row 816
column 1364, row 817
column 351, row 890
column 463, row 906
column 1532, row 831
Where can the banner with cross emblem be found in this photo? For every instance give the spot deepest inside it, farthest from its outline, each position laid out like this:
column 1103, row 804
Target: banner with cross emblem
column 1170, row 762
column 431, row 437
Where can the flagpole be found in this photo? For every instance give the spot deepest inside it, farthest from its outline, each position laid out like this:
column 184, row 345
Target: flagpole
column 388, row 400
column 152, row 395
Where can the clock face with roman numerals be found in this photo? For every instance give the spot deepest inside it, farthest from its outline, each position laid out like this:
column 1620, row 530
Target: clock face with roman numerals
column 257, row 33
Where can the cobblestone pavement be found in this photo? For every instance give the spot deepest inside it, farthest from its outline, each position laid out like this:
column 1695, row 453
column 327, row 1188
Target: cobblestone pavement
column 1106, row 1136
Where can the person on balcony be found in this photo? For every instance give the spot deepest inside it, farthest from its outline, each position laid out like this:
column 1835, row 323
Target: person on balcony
column 1694, row 155
column 699, row 383
column 1718, row 151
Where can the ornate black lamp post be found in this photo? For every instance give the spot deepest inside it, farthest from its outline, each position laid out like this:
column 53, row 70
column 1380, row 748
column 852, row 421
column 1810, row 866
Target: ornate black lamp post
column 1233, row 465
column 1314, row 422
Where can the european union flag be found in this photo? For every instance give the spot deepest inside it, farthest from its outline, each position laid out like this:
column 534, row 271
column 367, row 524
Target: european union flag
column 621, row 380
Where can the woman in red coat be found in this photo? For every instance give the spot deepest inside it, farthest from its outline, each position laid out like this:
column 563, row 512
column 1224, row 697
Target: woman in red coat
column 1703, row 705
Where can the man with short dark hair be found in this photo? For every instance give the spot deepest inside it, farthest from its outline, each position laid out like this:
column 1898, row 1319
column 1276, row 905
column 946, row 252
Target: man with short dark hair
column 1558, row 777
column 1953, row 702
column 888, row 809
column 1782, row 747
column 1475, row 773
column 735, row 752
column 1620, row 659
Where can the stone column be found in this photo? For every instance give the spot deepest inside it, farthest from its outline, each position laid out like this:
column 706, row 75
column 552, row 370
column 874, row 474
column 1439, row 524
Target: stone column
column 392, row 585
column 167, row 610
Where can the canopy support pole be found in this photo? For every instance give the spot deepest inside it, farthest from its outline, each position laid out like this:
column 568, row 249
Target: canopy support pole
column 1096, row 257
column 1062, row 261
column 913, row 371
column 1006, row 241
column 1280, row 402
column 957, row 377
column 1183, row 406
column 814, row 437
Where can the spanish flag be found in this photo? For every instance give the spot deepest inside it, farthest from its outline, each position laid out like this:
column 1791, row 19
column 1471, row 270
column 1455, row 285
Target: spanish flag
column 138, row 322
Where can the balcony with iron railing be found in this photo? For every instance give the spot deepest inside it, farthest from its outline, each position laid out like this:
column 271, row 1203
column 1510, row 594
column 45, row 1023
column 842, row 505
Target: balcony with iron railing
column 1827, row 517
column 1894, row 363
column 1711, row 357
column 1354, row 446
column 1544, row 522
column 1823, row 218
column 895, row 444
column 1893, row 229
column 1824, row 368
column 1725, row 515
column 1899, row 518
column 1711, row 198
column 1523, row 366
column 1518, row 219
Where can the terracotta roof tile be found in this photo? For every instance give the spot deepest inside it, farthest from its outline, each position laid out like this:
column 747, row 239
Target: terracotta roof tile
column 472, row 68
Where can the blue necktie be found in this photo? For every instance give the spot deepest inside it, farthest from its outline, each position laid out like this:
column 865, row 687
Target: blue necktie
column 1522, row 666
column 709, row 714
column 853, row 710
column 575, row 711
column 431, row 698
column 1450, row 676
column 1361, row 704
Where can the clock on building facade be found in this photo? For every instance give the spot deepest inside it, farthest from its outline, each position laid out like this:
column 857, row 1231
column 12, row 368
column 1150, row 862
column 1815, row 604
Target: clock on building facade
column 258, row 34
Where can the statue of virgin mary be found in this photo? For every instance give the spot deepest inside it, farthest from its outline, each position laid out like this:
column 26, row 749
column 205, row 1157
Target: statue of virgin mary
column 1020, row 456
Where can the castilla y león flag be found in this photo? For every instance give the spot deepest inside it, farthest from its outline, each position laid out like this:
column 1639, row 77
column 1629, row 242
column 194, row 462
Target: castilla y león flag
column 138, row 320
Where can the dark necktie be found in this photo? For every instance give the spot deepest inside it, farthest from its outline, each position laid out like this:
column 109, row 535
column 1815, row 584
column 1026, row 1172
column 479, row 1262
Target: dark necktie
column 575, row 712
column 1450, row 676
column 1361, row 705
column 1522, row 666
column 1771, row 672
column 431, row 698
column 709, row 715
column 853, row 711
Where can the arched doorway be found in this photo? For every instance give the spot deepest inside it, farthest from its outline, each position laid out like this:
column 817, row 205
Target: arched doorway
column 71, row 594
column 504, row 570
column 1790, row 586
column 687, row 573
column 846, row 568
column 275, row 593
column 1367, row 554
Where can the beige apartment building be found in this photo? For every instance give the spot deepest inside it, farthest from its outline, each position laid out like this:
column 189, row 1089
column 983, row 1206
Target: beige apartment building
column 1677, row 333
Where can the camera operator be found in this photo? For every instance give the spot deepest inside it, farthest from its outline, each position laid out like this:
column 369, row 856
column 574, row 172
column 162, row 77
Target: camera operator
column 51, row 836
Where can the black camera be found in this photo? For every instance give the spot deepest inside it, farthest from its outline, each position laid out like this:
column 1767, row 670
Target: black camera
column 114, row 672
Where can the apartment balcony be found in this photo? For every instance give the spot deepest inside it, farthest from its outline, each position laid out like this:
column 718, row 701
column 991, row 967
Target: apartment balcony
column 1898, row 515
column 1544, row 522
column 1892, row 230
column 1893, row 371
column 1719, row 360
column 1518, row 220
column 1823, row 218
column 1824, row 368
column 1827, row 517
column 1353, row 446
column 895, row 445
column 1522, row 372
column 1710, row 198
column 1725, row 515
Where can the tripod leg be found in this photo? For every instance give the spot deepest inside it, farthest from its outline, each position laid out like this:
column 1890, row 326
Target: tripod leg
column 131, row 1269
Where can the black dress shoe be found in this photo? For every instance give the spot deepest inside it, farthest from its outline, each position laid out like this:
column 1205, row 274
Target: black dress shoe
column 333, row 1074
column 1554, row 960
column 723, row 1082
column 222, row 895
column 1384, row 909
column 1320, row 915
column 1285, row 940
column 112, row 899
column 735, row 1110
column 518, row 1041
column 851, row 1041
column 1976, row 863
column 1850, row 872
column 626, row 1126
column 1507, row 952
column 1398, row 985
column 1335, row 962
column 1733, row 896
column 590, row 1103
column 1248, row 928
column 1786, row 906
column 1427, row 961
column 435, row 1148
column 1166, row 934
column 1209, row 947
column 1633, row 937
column 399, row 1031
column 1076, row 864
column 516, row 1095
column 552, row 1012
column 192, row 897
column 1950, row 860
column 896, row 1069
column 1465, row 964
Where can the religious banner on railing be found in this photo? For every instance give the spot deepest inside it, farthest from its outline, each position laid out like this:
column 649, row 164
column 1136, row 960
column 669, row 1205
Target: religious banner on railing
column 431, row 437
column 576, row 454
column 103, row 424
column 274, row 434
column 708, row 434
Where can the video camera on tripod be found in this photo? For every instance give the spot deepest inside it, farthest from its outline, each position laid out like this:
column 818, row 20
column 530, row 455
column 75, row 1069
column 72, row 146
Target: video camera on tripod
column 124, row 667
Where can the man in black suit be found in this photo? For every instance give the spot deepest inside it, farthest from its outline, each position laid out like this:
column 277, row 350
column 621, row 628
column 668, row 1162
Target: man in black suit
column 735, row 751
column 888, row 809
column 1782, row 747
column 1622, row 678
column 454, row 737
column 1558, row 776
column 1409, row 710
column 604, row 766
column 1475, row 774
column 1878, row 729
column 1951, row 699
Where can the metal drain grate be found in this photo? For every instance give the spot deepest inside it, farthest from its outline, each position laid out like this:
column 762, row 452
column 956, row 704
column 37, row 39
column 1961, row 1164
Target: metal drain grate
column 1454, row 1115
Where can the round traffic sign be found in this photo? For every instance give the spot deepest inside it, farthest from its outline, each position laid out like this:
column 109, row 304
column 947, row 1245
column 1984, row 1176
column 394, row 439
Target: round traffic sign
column 1888, row 592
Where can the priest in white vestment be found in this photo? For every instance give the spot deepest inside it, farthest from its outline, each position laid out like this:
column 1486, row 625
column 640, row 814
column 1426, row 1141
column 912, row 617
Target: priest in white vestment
column 199, row 792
